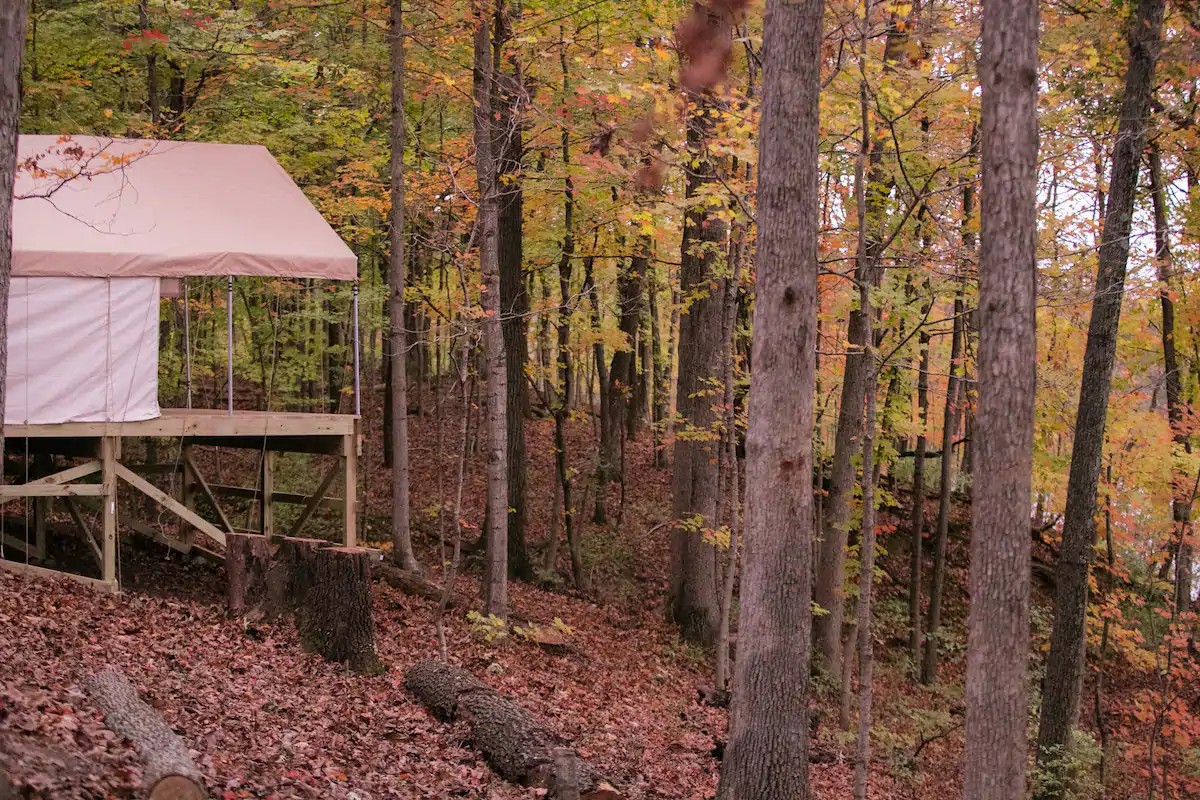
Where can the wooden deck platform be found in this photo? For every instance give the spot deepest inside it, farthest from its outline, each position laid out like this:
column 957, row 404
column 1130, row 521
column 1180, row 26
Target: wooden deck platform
column 101, row 444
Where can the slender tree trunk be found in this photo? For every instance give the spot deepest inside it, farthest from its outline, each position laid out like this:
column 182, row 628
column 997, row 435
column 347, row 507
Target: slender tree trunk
column 918, row 507
column 562, row 405
column 622, row 373
column 662, row 389
column 13, row 19
column 871, row 181
column 950, row 418
column 866, row 582
column 1180, row 499
column 998, row 638
column 1064, row 665
column 767, row 754
column 402, row 548
column 153, row 103
column 496, row 569
column 696, row 485
column 514, row 301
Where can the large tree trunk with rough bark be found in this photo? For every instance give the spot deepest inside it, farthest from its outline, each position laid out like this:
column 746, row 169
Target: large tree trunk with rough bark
column 514, row 301
column 486, row 237
column 247, row 564
column 998, row 643
column 402, row 549
column 696, row 485
column 767, row 754
column 169, row 773
column 333, row 615
column 13, row 17
column 1065, row 663
column 518, row 746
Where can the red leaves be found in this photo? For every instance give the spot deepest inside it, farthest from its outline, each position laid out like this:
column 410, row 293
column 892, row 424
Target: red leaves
column 705, row 43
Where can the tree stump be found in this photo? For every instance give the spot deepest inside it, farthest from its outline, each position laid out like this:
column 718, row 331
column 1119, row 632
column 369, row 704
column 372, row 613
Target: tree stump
column 516, row 745
column 333, row 606
column 289, row 574
column 247, row 564
column 169, row 772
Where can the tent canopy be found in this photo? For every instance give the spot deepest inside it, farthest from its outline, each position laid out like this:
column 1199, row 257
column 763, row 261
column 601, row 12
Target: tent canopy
column 99, row 207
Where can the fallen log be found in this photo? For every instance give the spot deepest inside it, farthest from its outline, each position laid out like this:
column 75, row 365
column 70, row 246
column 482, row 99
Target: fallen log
column 519, row 747
column 169, row 772
column 407, row 582
column 333, row 606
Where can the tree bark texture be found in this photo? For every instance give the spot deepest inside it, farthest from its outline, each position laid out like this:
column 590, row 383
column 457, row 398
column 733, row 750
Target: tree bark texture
column 918, row 507
column 247, row 563
column 169, row 772
column 13, row 18
column 514, row 301
column 402, row 549
column 519, row 747
column 766, row 757
column 866, row 585
column 998, row 628
column 696, row 481
column 831, row 566
column 333, row 616
column 486, row 233
column 1065, row 663
column 1181, row 500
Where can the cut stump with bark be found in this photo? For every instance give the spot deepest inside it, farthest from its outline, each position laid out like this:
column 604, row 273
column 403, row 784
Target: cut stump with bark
column 288, row 574
column 248, row 559
column 518, row 746
column 169, row 772
column 333, row 606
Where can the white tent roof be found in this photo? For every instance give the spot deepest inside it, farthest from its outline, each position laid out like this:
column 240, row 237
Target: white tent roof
column 96, row 207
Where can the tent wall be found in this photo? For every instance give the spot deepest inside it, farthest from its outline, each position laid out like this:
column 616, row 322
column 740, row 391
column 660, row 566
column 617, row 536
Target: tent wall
column 82, row 350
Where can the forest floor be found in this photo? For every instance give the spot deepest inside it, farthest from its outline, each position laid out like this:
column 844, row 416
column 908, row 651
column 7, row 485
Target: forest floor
column 264, row 719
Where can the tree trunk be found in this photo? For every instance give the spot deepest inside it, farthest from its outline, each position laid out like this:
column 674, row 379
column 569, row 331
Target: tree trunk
column 1180, row 497
column 397, row 383
column 496, row 568
column 950, row 417
column 767, row 754
column 696, row 486
column 872, row 182
column 1064, row 665
column 660, row 379
column 333, row 615
column 514, row 301
column 519, row 747
column 918, row 507
column 866, row 583
column 998, row 643
column 169, row 773
column 247, row 563
column 622, row 374
column 13, row 17
column 565, row 367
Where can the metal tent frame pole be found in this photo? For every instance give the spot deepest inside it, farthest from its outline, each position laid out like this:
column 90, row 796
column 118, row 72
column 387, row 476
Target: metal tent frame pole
column 357, row 345
column 229, row 339
column 187, row 338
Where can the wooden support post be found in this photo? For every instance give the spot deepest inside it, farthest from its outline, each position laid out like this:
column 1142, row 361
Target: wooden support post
column 84, row 530
column 350, row 495
column 109, row 449
column 187, row 494
column 266, row 498
column 169, row 503
column 40, row 509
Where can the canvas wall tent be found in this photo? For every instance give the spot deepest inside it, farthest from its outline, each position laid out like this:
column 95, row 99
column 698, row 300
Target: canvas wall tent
column 98, row 223
column 101, row 229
